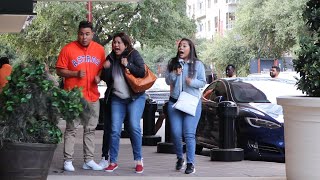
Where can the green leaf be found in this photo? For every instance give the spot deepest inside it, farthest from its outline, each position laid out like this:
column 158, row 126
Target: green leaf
column 9, row 108
column 28, row 96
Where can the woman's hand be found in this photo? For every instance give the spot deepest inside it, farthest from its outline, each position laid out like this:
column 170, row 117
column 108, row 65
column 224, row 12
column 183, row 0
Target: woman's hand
column 178, row 71
column 106, row 64
column 124, row 62
column 188, row 80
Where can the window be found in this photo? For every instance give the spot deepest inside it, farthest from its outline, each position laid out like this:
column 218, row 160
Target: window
column 215, row 1
column 209, row 3
column 230, row 18
column 200, row 27
column 216, row 22
column 209, row 26
column 231, row 1
column 189, row 7
column 193, row 9
column 246, row 92
column 219, row 91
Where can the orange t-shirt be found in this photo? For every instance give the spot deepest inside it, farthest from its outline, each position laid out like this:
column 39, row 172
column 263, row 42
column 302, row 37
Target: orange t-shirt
column 75, row 57
column 5, row 71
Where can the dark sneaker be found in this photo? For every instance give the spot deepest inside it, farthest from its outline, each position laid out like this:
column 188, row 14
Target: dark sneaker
column 190, row 168
column 179, row 164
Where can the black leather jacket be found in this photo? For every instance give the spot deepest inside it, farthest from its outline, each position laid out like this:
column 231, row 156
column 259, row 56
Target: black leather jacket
column 135, row 65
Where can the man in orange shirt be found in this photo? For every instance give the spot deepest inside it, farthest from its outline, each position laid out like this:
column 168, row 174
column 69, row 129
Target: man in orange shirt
column 79, row 62
column 5, row 71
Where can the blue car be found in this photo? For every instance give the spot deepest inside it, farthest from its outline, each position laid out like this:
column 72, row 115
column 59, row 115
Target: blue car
column 259, row 127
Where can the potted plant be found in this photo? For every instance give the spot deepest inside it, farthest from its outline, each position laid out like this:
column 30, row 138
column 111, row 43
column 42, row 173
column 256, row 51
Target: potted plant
column 31, row 107
column 302, row 114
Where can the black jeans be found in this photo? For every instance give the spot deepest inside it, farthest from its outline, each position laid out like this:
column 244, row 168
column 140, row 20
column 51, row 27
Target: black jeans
column 106, row 129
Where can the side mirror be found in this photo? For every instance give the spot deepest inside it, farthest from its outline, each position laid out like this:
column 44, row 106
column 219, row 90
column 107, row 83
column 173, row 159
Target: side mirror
column 218, row 99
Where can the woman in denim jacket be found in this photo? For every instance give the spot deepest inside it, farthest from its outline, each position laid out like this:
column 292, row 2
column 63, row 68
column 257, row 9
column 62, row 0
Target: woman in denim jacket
column 185, row 67
column 124, row 102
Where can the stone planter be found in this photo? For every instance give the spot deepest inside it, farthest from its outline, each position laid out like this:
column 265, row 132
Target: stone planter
column 302, row 132
column 25, row 160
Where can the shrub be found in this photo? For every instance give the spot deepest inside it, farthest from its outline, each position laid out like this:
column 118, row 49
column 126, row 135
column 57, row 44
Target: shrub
column 308, row 62
column 31, row 106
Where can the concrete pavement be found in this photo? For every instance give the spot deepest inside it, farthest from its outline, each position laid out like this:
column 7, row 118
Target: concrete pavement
column 161, row 165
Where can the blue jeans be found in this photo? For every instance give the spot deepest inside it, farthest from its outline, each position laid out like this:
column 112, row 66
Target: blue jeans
column 133, row 109
column 184, row 125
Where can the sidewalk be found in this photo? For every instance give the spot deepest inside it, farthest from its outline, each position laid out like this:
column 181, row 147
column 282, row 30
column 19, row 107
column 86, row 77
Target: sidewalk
column 160, row 165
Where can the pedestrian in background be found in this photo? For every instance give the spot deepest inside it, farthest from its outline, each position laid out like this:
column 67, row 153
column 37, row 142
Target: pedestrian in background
column 124, row 102
column 79, row 63
column 231, row 71
column 274, row 71
column 185, row 67
column 5, row 71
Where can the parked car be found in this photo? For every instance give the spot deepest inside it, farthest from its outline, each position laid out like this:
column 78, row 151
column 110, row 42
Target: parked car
column 290, row 75
column 259, row 128
column 159, row 92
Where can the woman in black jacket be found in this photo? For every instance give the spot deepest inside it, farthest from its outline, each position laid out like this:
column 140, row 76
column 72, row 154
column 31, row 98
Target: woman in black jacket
column 123, row 101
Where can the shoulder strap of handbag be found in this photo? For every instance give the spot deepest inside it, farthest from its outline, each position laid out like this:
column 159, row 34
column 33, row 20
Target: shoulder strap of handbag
column 180, row 83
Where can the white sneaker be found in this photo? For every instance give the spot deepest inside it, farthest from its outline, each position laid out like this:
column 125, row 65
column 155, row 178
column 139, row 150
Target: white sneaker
column 92, row 165
column 67, row 166
column 103, row 163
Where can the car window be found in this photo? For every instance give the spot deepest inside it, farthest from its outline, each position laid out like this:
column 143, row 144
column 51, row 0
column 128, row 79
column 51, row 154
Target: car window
column 276, row 87
column 245, row 93
column 220, row 90
column 214, row 90
column 208, row 91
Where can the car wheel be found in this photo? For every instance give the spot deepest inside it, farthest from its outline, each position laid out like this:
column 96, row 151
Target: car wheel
column 198, row 149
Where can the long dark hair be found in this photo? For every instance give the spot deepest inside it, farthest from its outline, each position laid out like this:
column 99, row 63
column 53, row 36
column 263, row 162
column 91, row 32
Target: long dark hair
column 173, row 63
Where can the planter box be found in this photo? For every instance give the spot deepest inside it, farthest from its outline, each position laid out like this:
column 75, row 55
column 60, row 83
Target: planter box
column 302, row 132
column 25, row 160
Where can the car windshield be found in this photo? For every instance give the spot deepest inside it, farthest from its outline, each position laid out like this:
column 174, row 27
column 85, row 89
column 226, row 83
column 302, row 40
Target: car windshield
column 246, row 92
column 264, row 90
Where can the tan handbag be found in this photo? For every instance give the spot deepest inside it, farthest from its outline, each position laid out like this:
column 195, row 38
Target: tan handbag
column 140, row 84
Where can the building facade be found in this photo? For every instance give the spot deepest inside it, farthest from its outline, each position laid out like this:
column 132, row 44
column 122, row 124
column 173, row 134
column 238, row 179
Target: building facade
column 212, row 16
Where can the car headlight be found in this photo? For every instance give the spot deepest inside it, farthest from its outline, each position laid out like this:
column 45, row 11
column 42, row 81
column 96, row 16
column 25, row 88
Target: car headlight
column 258, row 123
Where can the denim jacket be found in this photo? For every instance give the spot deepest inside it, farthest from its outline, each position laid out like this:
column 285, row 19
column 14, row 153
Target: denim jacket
column 197, row 82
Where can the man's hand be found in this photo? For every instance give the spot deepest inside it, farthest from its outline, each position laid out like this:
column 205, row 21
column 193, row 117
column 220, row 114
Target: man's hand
column 97, row 79
column 81, row 73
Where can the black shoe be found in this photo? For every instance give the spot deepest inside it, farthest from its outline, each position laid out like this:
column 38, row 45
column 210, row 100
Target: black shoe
column 190, row 169
column 179, row 164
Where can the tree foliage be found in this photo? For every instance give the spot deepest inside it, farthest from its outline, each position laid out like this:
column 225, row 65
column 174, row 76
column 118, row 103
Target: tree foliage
column 269, row 27
column 226, row 50
column 150, row 22
column 263, row 29
column 308, row 61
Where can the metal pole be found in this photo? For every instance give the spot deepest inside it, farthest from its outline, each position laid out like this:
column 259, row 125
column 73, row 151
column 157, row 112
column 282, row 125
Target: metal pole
column 89, row 8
